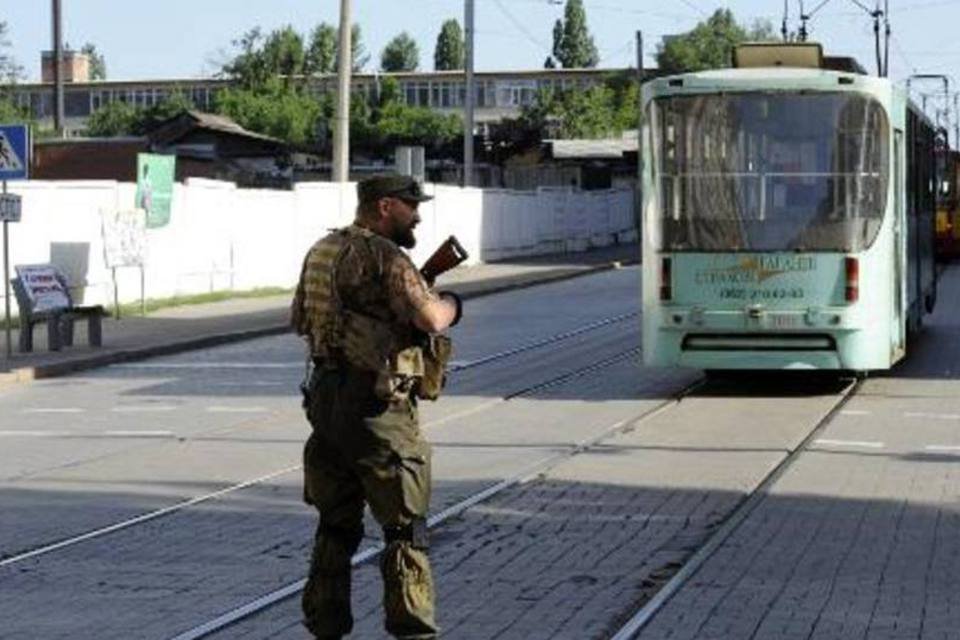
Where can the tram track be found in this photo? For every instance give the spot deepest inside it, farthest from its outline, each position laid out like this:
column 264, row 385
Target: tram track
column 99, row 532
column 221, row 624
column 635, row 625
column 528, row 473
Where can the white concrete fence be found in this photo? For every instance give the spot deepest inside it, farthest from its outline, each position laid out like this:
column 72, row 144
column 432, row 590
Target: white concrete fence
column 224, row 238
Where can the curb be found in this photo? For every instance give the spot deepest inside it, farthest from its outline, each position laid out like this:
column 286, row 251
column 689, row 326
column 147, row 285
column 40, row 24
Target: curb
column 498, row 285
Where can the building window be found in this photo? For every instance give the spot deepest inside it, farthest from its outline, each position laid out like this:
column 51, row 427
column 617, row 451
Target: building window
column 423, row 94
column 76, row 104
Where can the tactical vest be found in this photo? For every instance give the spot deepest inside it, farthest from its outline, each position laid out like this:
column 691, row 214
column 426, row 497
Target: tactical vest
column 337, row 334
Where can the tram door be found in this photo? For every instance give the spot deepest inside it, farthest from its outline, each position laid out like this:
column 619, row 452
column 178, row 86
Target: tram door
column 898, row 324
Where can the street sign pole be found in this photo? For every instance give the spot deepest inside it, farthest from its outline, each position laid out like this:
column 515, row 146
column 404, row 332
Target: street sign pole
column 6, row 281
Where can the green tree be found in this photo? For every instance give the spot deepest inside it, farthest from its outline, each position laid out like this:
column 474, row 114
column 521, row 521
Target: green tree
column 389, row 91
column 274, row 110
column 175, row 104
column 10, row 113
column 358, row 53
column 603, row 110
column 557, row 39
column 401, row 124
column 322, row 52
column 268, row 96
column 448, row 54
column 573, row 45
column 113, row 119
column 384, row 121
column 98, row 65
column 249, row 67
column 10, row 71
column 400, row 54
column 284, row 54
column 710, row 44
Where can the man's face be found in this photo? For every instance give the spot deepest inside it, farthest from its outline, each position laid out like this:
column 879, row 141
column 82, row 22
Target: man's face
column 403, row 218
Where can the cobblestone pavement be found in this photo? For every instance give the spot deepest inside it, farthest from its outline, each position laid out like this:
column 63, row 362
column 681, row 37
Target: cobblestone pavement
column 861, row 538
column 571, row 554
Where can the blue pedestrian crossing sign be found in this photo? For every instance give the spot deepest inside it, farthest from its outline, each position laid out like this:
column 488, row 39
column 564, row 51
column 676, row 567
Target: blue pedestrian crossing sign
column 14, row 152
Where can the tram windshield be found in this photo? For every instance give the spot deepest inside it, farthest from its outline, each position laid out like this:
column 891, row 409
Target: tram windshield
column 772, row 171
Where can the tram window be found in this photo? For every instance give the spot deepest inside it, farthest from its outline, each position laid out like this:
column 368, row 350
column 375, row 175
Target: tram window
column 797, row 171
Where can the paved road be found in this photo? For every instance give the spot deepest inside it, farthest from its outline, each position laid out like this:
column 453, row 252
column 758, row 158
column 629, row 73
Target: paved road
column 861, row 538
column 858, row 539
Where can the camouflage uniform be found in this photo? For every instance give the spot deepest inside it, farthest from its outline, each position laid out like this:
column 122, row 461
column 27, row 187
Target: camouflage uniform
column 355, row 302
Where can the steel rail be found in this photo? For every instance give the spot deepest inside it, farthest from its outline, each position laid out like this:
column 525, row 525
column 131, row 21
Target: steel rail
column 527, row 474
column 184, row 504
column 146, row 517
column 646, row 613
column 536, row 344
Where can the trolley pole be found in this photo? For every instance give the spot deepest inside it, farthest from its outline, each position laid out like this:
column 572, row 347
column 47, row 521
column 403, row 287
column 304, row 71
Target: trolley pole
column 341, row 130
column 468, row 94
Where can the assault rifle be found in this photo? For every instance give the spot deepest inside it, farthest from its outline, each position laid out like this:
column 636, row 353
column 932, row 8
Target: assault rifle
column 446, row 257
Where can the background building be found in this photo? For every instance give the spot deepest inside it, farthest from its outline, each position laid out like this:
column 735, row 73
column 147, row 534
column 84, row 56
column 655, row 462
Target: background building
column 499, row 94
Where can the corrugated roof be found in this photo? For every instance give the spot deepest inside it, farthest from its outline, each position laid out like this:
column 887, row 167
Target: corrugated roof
column 226, row 125
column 604, row 148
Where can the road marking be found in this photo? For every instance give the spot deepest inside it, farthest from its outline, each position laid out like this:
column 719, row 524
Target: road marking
column 122, row 433
column 942, row 448
column 933, row 416
column 854, row 412
column 129, row 433
column 849, row 443
column 251, row 383
column 237, row 409
column 35, row 434
column 144, row 409
column 210, row 365
column 53, row 410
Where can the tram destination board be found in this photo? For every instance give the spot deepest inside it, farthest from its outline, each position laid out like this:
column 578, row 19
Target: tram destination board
column 10, row 207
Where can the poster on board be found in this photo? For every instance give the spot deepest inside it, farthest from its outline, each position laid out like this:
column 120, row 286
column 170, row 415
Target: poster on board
column 124, row 237
column 43, row 286
column 155, row 175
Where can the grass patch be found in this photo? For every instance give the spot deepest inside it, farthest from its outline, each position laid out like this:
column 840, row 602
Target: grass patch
column 129, row 309
column 155, row 304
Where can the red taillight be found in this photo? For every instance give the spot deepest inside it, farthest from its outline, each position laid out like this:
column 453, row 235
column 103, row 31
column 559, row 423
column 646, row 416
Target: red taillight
column 666, row 279
column 852, row 288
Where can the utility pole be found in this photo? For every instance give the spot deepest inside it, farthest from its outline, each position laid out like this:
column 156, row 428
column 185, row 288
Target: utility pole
column 468, row 95
column 57, row 68
column 638, row 192
column 341, row 126
column 956, row 122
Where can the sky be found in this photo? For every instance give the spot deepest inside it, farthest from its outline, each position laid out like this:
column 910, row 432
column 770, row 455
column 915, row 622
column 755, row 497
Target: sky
column 192, row 38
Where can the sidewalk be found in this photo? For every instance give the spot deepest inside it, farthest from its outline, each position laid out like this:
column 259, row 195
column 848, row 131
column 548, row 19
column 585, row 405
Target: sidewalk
column 205, row 325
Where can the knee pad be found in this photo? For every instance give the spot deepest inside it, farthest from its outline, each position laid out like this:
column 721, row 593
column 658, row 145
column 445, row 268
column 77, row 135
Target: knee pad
column 416, row 533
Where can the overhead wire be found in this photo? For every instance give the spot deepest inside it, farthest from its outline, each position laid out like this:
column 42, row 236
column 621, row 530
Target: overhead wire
column 695, row 8
column 520, row 27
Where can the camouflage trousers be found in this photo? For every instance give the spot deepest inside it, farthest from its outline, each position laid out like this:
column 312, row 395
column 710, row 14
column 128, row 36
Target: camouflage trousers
column 363, row 450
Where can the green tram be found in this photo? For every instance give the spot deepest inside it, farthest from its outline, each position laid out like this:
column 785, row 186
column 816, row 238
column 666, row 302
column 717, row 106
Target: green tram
column 788, row 215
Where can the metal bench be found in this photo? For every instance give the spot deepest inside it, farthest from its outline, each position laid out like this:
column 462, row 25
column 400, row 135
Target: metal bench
column 44, row 297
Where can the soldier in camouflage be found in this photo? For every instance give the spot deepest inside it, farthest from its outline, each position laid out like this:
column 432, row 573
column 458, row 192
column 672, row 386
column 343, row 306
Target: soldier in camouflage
column 365, row 311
